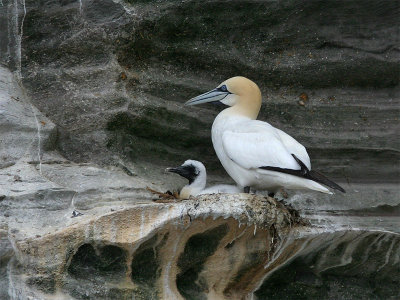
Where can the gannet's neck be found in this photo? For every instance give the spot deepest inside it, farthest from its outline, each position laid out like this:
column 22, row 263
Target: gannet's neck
column 247, row 105
column 195, row 187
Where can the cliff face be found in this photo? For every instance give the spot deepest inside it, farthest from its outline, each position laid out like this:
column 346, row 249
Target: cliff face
column 91, row 113
column 113, row 75
column 78, row 230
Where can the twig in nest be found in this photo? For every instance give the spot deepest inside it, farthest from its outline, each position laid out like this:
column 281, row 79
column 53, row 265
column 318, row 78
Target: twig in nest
column 284, row 193
column 166, row 197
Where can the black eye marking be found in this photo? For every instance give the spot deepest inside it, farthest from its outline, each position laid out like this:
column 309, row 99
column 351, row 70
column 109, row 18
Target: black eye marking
column 190, row 172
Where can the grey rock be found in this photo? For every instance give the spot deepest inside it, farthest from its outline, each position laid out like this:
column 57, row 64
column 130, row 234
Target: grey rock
column 91, row 113
column 120, row 71
column 24, row 129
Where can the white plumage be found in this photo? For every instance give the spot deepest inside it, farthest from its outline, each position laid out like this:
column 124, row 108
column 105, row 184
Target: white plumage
column 195, row 172
column 254, row 153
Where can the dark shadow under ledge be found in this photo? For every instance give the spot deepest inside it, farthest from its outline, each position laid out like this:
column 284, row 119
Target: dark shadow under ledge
column 220, row 246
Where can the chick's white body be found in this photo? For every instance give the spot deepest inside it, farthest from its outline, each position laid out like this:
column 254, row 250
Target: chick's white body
column 198, row 186
column 189, row 190
column 221, row 188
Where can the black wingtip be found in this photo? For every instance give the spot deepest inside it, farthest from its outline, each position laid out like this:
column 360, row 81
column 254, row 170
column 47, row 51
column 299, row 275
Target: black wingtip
column 301, row 164
column 320, row 178
column 304, row 172
column 317, row 176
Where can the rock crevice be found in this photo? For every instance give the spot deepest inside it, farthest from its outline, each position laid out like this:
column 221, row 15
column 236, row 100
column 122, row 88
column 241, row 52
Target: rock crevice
column 195, row 247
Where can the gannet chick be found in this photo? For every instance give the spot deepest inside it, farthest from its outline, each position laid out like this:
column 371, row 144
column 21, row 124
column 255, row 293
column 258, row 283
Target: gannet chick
column 254, row 153
column 195, row 172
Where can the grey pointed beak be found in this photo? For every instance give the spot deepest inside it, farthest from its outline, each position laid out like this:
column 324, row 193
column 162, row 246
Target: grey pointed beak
column 173, row 170
column 211, row 96
column 178, row 170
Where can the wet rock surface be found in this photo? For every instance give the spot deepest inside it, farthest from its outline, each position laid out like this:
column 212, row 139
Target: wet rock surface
column 91, row 113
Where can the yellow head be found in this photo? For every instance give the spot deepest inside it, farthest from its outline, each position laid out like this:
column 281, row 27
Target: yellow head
column 242, row 94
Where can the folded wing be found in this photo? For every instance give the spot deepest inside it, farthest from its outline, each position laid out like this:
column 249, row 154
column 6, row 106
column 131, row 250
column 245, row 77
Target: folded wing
column 254, row 144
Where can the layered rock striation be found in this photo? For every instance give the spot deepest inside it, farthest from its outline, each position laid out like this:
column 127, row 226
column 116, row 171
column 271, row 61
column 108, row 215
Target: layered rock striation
column 91, row 113
column 112, row 76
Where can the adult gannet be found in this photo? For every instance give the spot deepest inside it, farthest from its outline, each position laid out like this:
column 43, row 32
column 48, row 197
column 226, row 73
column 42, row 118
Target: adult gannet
column 195, row 172
column 254, row 153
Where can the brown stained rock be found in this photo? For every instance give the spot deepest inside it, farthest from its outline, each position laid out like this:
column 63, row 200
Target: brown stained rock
column 303, row 97
column 123, row 76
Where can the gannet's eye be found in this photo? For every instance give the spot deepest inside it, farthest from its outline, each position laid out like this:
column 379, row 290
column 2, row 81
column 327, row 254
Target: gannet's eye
column 195, row 170
column 223, row 88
